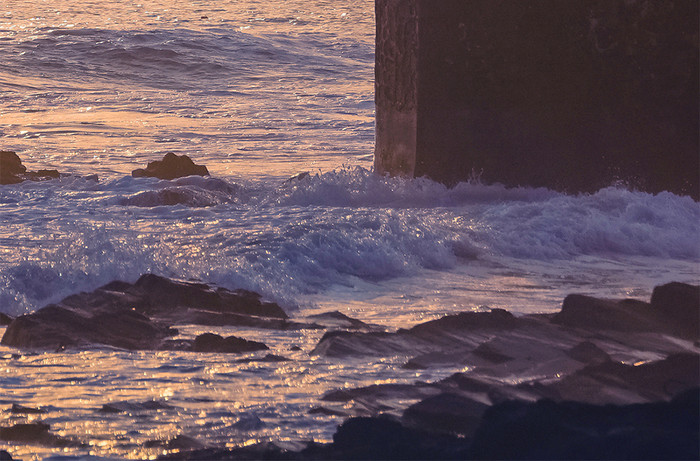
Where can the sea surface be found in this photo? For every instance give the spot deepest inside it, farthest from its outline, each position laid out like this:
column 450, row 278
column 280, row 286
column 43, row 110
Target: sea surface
column 260, row 91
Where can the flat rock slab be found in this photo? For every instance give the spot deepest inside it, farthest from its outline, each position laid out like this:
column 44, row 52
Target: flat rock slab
column 594, row 351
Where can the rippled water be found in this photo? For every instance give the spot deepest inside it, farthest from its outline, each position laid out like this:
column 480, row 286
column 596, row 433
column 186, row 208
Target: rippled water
column 259, row 91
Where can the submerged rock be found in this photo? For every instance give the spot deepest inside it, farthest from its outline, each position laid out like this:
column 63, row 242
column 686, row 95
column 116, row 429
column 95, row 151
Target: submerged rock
column 138, row 316
column 22, row 410
column 12, row 171
column 172, row 166
column 36, row 433
column 135, row 407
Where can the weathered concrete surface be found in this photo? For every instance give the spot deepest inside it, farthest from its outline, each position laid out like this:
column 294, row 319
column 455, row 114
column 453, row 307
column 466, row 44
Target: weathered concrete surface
column 571, row 95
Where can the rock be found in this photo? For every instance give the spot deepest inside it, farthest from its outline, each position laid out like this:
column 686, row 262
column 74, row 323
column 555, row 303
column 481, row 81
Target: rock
column 163, row 294
column 326, row 412
column 466, row 329
column 581, row 311
column 248, row 422
column 614, row 382
column 674, row 309
column 58, row 326
column 588, row 352
column 11, row 168
column 172, row 166
column 209, row 342
column 572, row 430
column 496, row 319
column 36, row 433
column 339, row 320
column 447, row 413
column 21, row 410
column 5, row 319
column 679, row 304
column 5, row 456
column 12, row 171
column 269, row 358
column 134, row 407
column 490, row 353
column 383, row 438
column 137, row 316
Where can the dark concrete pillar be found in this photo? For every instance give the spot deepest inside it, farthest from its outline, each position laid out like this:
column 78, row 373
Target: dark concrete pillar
column 566, row 94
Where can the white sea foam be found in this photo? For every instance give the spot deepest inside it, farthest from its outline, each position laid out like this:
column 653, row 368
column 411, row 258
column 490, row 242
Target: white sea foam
column 306, row 235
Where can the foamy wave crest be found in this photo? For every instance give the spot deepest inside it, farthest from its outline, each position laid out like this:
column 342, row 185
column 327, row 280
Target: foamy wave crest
column 360, row 187
column 308, row 234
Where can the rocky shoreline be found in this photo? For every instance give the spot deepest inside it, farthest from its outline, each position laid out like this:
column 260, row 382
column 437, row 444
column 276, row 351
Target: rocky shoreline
column 600, row 379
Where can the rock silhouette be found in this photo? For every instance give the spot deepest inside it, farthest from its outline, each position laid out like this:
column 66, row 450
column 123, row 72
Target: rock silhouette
column 13, row 172
column 170, row 167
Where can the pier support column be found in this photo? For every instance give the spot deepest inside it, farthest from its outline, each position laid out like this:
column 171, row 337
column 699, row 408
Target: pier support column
column 567, row 94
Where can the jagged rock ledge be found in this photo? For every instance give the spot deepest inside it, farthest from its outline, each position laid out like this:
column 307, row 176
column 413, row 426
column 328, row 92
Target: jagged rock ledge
column 140, row 316
column 13, row 172
column 601, row 379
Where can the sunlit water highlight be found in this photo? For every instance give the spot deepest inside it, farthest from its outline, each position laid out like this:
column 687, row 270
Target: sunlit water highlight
column 259, row 91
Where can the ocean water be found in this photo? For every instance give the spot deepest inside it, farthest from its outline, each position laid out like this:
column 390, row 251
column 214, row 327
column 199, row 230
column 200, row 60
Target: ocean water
column 260, row 91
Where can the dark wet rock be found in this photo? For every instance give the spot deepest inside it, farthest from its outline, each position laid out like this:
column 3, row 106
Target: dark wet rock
column 437, row 359
column 12, row 171
column 248, row 422
column 383, row 438
column 210, row 342
column 490, row 353
column 137, row 316
column 674, row 309
column 339, row 320
column 326, row 412
column 36, row 433
column 5, row 319
column 11, row 168
column 170, row 167
column 614, row 382
column 164, row 294
column 679, row 304
column 378, row 398
column 573, row 430
column 581, row 311
column 446, row 412
column 496, row 319
column 58, row 326
column 269, row 358
column 22, row 410
column 346, row 343
column 466, row 329
column 588, row 352
column 135, row 407
column 179, row 442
